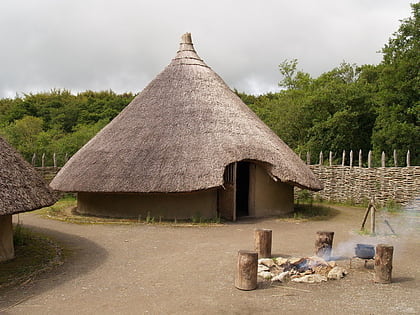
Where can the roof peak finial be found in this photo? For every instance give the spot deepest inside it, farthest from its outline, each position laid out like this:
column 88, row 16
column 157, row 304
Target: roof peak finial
column 186, row 38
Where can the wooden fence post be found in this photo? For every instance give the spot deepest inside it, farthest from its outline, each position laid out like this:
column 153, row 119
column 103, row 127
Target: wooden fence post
column 395, row 158
column 360, row 158
column 330, row 158
column 344, row 158
column 383, row 263
column 370, row 159
column 408, row 158
column 321, row 158
column 383, row 159
column 373, row 219
column 263, row 241
column 33, row 159
column 54, row 160
column 351, row 158
column 308, row 158
column 246, row 270
column 43, row 160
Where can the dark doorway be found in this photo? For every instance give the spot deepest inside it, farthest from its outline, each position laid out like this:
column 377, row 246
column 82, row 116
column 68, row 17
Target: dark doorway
column 242, row 189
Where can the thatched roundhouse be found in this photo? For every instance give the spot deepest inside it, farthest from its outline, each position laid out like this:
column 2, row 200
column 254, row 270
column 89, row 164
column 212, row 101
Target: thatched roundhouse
column 21, row 189
column 185, row 146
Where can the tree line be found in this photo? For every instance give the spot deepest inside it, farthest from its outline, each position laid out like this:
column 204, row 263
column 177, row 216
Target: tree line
column 350, row 107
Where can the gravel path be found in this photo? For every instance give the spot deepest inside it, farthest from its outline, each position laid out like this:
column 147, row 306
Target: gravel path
column 152, row 269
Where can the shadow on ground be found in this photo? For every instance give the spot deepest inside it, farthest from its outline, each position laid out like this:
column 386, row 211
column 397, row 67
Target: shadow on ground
column 80, row 256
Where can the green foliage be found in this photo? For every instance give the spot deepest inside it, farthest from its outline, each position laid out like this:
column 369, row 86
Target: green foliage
column 397, row 125
column 58, row 121
column 352, row 107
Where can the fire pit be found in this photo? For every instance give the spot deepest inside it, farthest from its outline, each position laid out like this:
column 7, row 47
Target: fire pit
column 365, row 251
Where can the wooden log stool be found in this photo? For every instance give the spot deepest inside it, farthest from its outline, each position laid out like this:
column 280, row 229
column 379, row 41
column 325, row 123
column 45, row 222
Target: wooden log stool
column 246, row 270
column 383, row 263
column 323, row 244
column 263, row 241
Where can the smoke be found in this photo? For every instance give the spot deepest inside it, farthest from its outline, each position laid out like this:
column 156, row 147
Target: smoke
column 393, row 228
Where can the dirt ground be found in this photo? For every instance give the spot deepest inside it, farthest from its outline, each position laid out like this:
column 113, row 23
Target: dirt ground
column 152, row 269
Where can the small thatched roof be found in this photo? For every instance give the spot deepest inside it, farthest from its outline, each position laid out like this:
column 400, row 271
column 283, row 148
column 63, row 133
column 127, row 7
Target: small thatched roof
column 178, row 135
column 21, row 187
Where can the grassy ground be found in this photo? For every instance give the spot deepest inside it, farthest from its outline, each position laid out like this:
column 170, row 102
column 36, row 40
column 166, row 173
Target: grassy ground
column 64, row 210
column 34, row 253
column 311, row 212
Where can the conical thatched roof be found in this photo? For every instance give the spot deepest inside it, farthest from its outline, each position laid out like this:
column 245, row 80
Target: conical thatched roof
column 178, row 135
column 21, row 187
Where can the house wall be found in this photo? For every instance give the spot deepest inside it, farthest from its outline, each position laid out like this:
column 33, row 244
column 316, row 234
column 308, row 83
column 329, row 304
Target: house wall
column 168, row 206
column 268, row 197
column 6, row 238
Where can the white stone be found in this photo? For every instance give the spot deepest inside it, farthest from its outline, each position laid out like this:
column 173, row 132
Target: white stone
column 265, row 275
column 332, row 263
column 314, row 278
column 337, row 273
column 295, row 260
column 282, row 277
column 266, row 262
column 281, row 260
column 263, row 268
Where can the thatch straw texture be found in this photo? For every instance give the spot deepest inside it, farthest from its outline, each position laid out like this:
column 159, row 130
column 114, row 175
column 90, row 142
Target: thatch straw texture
column 178, row 135
column 21, row 187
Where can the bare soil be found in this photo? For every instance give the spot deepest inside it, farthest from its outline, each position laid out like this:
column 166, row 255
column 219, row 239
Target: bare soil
column 153, row 269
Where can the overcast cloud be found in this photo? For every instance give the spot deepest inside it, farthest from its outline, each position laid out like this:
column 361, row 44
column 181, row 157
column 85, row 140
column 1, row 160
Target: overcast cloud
column 123, row 44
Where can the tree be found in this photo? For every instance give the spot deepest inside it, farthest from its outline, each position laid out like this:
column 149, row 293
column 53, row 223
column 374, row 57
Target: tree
column 22, row 134
column 397, row 124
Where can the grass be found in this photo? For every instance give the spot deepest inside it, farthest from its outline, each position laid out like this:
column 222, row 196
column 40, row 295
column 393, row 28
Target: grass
column 34, row 253
column 310, row 212
column 64, row 210
column 391, row 207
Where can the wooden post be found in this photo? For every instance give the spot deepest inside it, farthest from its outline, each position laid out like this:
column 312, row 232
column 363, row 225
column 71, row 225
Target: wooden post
column 263, row 241
column 383, row 159
column 373, row 219
column 43, row 160
column 246, row 270
column 323, row 244
column 395, row 158
column 331, row 158
column 366, row 216
column 360, row 158
column 351, row 158
column 66, row 158
column 54, row 160
column 408, row 157
column 308, row 158
column 343, row 161
column 383, row 263
column 370, row 159
column 321, row 158
column 33, row 159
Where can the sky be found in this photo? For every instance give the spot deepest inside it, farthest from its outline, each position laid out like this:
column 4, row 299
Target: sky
column 123, row 44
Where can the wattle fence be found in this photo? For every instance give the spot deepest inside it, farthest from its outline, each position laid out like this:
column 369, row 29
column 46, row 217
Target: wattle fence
column 344, row 183
column 357, row 185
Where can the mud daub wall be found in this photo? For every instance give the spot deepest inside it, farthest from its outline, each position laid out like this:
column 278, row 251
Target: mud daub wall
column 358, row 184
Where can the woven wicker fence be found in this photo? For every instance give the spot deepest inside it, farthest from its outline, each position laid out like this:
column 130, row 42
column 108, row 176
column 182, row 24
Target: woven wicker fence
column 357, row 185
